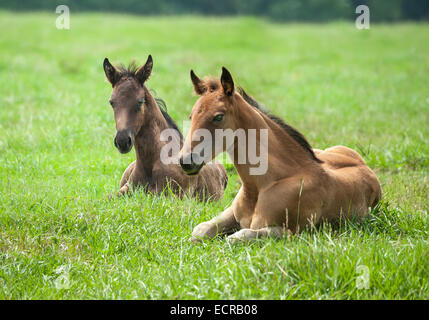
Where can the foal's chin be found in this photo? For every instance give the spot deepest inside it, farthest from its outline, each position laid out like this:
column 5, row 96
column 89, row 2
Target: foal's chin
column 194, row 171
column 124, row 151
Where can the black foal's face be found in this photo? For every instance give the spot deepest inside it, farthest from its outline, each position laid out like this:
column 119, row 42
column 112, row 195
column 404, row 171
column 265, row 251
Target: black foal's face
column 128, row 103
column 128, row 100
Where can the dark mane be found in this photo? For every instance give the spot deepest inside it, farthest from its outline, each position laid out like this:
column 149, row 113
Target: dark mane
column 296, row 135
column 163, row 107
column 130, row 72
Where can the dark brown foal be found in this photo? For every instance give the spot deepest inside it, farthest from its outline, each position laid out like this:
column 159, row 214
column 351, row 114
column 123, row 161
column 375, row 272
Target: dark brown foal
column 141, row 122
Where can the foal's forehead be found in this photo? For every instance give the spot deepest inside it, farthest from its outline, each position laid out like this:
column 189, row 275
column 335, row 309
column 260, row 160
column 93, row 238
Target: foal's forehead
column 206, row 103
column 209, row 100
column 127, row 86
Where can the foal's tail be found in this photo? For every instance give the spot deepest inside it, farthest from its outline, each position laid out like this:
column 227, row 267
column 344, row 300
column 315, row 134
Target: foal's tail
column 377, row 191
column 377, row 199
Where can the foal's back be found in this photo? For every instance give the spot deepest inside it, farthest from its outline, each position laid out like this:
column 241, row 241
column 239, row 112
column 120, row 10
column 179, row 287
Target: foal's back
column 212, row 182
column 352, row 186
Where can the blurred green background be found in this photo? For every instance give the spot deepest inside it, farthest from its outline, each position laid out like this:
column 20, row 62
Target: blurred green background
column 279, row 10
column 366, row 89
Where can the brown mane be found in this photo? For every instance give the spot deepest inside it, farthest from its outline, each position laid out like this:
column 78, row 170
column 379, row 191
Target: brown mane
column 213, row 84
column 129, row 71
column 295, row 134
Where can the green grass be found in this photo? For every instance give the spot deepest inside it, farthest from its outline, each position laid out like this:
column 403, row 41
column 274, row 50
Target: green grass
column 338, row 85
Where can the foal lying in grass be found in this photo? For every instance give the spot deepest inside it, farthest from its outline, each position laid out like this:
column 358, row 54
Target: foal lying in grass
column 140, row 121
column 301, row 185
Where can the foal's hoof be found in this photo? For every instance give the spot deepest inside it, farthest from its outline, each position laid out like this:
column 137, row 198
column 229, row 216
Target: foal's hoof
column 203, row 231
column 123, row 190
column 195, row 239
column 233, row 240
column 241, row 236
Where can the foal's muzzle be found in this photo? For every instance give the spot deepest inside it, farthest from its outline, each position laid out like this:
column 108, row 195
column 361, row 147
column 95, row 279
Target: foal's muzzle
column 124, row 140
column 191, row 163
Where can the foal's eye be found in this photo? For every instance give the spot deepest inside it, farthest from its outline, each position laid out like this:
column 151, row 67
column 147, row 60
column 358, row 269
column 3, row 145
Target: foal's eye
column 218, row 118
column 111, row 103
column 139, row 105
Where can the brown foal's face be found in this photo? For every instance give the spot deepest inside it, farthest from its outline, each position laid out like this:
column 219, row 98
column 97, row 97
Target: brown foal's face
column 212, row 111
column 128, row 101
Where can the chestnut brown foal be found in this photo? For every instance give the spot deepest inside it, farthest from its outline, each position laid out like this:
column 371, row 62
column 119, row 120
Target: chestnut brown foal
column 140, row 122
column 301, row 186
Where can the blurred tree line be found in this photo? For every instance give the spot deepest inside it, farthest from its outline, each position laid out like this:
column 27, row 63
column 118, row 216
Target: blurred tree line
column 278, row 10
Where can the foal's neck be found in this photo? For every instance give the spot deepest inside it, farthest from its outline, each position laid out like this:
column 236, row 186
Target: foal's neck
column 286, row 158
column 148, row 142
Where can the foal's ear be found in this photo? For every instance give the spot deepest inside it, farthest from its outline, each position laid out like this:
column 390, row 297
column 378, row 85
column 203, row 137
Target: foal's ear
column 111, row 73
column 227, row 82
column 199, row 85
column 144, row 72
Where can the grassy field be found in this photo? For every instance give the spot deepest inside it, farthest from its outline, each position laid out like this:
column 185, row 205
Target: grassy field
column 368, row 90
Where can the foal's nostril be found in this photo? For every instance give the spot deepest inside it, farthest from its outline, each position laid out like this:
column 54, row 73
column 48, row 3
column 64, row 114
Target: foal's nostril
column 124, row 140
column 186, row 163
column 191, row 163
column 187, row 167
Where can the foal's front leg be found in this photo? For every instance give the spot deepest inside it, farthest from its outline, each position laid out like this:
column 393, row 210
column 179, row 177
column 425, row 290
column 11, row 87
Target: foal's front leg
column 224, row 223
column 250, row 234
column 124, row 189
column 124, row 185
